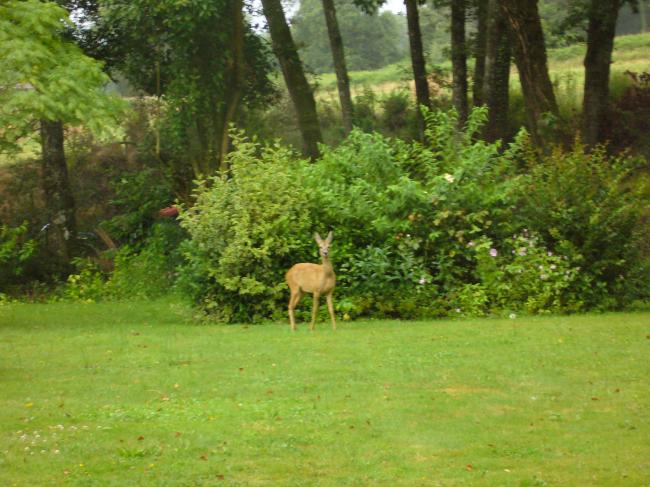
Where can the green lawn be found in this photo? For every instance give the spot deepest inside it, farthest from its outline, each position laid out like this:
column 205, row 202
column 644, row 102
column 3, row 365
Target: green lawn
column 133, row 394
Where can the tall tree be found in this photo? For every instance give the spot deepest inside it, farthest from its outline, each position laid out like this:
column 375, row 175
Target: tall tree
column 338, row 56
column 602, row 16
column 480, row 46
column 417, row 58
column 497, row 73
column 203, row 61
column 300, row 91
column 236, row 69
column 371, row 39
column 530, row 56
column 47, row 82
column 459, row 59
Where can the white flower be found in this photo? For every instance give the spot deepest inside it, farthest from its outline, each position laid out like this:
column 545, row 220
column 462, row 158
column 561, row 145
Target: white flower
column 449, row 178
column 422, row 280
column 512, row 316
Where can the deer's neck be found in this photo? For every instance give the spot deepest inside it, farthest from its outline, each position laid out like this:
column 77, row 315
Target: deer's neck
column 327, row 266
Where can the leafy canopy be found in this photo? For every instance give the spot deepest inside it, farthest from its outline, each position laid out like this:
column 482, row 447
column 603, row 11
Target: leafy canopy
column 43, row 76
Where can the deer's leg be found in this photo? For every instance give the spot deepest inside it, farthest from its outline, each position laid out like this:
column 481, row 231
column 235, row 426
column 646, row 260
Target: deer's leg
column 314, row 311
column 293, row 302
column 330, row 308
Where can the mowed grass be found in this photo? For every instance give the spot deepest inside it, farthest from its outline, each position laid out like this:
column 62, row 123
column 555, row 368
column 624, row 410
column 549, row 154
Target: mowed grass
column 133, row 394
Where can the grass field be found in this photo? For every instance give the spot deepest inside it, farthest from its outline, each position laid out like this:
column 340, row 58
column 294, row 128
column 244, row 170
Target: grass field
column 566, row 68
column 133, row 394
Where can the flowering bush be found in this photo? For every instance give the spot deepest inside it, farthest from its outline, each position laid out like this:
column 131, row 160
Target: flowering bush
column 526, row 276
column 454, row 227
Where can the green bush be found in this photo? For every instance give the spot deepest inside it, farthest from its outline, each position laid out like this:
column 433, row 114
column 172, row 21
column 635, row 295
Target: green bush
column 151, row 270
column 590, row 206
column 139, row 197
column 246, row 229
column 454, row 227
column 15, row 252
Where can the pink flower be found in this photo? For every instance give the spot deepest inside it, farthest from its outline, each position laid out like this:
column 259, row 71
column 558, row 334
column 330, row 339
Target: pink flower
column 493, row 252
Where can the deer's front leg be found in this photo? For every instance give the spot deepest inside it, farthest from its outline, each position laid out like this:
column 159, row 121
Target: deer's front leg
column 314, row 311
column 330, row 308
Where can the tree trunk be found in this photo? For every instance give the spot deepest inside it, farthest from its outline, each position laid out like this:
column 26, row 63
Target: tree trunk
column 530, row 56
column 478, row 96
column 600, row 43
column 338, row 55
column 497, row 74
column 236, row 85
column 294, row 76
column 59, row 202
column 417, row 59
column 459, row 60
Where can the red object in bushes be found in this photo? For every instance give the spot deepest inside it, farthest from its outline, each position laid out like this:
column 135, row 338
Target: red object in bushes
column 170, row 211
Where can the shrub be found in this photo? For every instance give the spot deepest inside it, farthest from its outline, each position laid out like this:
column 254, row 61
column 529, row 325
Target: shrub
column 246, row 229
column 589, row 206
column 148, row 271
column 454, row 227
column 15, row 252
column 523, row 275
column 139, row 196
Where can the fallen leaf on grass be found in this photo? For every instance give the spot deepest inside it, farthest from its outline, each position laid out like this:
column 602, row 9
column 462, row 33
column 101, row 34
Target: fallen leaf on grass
column 178, row 433
column 469, row 467
column 140, row 438
column 204, row 457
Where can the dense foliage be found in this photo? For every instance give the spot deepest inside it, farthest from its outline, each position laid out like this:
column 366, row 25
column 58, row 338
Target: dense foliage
column 454, row 227
column 45, row 76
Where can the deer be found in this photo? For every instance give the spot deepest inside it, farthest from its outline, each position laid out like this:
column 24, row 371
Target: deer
column 313, row 278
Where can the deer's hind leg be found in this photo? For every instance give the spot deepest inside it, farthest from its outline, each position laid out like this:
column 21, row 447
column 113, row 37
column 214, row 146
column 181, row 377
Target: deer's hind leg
column 296, row 294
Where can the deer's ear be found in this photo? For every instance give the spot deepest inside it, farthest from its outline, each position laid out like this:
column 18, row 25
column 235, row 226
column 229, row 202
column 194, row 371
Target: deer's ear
column 329, row 238
column 318, row 238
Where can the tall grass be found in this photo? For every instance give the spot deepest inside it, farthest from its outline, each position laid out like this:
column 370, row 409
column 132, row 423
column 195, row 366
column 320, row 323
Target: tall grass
column 631, row 52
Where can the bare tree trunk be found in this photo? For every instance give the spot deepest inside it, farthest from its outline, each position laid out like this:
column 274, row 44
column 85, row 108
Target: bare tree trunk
column 417, row 59
column 459, row 59
column 59, row 202
column 294, row 76
column 497, row 74
column 600, row 43
column 338, row 56
column 236, row 68
column 530, row 56
column 478, row 96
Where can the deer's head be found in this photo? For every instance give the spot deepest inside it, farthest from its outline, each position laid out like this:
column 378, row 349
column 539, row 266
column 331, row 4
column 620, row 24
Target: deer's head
column 323, row 245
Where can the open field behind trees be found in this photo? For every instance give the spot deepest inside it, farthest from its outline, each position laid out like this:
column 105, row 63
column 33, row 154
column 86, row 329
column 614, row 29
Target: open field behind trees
column 631, row 52
column 132, row 394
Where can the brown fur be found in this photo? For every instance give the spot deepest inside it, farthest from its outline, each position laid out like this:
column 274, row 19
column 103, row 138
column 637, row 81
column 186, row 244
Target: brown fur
column 313, row 278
